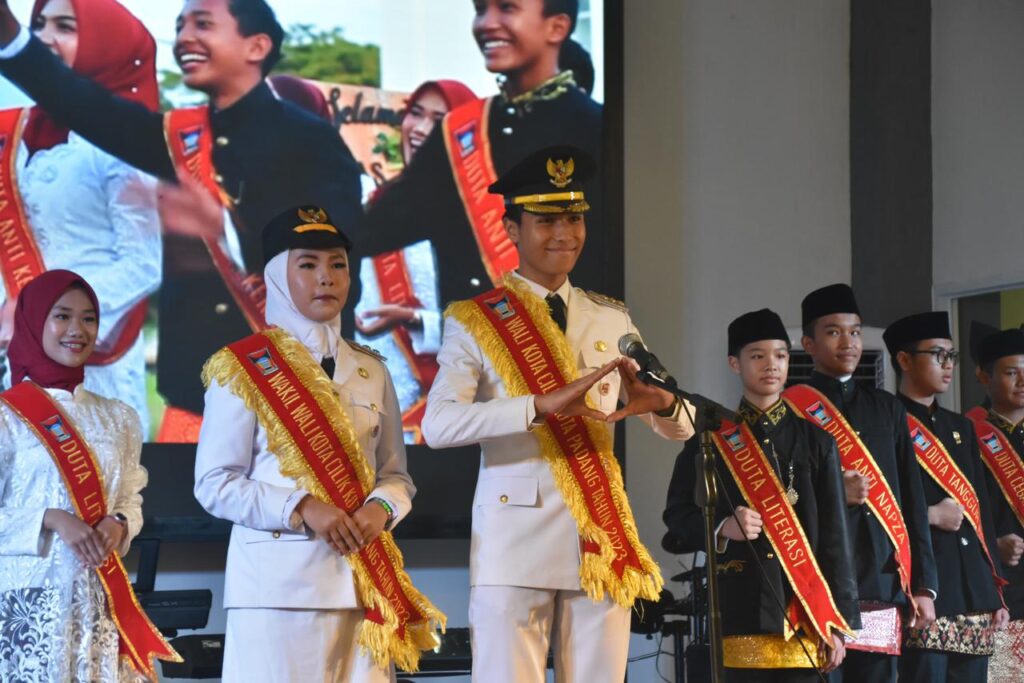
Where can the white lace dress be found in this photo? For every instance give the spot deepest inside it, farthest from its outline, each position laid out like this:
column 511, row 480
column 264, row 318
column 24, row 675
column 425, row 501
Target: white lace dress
column 54, row 623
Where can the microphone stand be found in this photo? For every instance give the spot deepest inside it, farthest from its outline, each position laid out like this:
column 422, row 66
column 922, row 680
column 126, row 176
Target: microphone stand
column 710, row 421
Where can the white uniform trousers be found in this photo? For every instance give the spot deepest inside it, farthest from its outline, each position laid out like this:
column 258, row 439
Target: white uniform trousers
column 511, row 629
column 264, row 645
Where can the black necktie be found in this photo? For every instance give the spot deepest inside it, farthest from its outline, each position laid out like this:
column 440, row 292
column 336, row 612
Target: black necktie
column 557, row 308
column 328, row 365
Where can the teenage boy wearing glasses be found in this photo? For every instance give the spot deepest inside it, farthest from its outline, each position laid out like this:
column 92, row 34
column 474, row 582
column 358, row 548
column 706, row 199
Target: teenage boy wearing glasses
column 957, row 646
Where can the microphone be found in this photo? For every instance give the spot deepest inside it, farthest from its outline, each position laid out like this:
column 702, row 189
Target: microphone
column 631, row 346
column 708, row 411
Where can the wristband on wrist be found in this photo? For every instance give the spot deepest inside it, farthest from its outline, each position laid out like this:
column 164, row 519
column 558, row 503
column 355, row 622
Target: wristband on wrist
column 119, row 518
column 387, row 508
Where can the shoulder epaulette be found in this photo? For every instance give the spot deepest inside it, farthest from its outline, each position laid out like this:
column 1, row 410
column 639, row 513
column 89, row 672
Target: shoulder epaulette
column 606, row 301
column 369, row 351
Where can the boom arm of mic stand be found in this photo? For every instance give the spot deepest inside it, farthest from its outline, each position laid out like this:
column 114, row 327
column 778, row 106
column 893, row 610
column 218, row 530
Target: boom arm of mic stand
column 707, row 497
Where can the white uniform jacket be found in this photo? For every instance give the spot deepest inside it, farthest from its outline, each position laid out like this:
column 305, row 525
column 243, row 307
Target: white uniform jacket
column 523, row 534
column 273, row 559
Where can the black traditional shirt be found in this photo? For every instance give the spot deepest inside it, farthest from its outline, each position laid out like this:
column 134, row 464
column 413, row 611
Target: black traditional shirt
column 881, row 423
column 966, row 584
column 747, row 601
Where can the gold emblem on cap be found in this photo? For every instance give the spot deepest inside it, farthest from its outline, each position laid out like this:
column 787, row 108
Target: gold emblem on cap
column 561, row 172
column 313, row 215
column 315, row 220
column 600, row 346
column 364, row 373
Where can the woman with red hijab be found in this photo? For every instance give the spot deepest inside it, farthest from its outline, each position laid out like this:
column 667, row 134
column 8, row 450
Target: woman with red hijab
column 399, row 312
column 81, row 208
column 55, row 620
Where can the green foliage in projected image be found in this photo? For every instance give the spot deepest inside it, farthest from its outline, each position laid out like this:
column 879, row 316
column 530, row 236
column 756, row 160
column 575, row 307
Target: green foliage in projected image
column 309, row 52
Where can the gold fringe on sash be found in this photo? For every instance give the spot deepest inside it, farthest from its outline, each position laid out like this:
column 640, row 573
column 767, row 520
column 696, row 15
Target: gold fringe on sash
column 596, row 573
column 381, row 640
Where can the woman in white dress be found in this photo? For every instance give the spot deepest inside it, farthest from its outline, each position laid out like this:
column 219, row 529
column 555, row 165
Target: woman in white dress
column 55, row 625
column 88, row 211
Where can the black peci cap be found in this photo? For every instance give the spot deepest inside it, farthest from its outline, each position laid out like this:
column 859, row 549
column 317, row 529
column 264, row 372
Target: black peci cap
column 755, row 326
column 837, row 298
column 302, row 227
column 1000, row 344
column 914, row 328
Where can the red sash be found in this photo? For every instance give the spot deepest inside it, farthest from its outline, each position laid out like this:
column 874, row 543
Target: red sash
column 20, row 260
column 515, row 330
column 763, row 491
column 309, row 432
column 934, row 459
column 140, row 641
column 854, row 455
column 1001, row 459
column 396, row 288
column 469, row 151
column 190, row 144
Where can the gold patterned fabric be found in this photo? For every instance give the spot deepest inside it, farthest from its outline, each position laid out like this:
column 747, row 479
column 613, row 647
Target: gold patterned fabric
column 1007, row 663
column 968, row 634
column 772, row 651
column 751, row 414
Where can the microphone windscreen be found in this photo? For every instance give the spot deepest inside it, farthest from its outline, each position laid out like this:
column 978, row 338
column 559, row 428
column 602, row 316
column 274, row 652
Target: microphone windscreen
column 628, row 342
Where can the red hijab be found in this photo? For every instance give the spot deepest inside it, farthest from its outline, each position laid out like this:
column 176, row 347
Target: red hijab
column 114, row 50
column 454, row 93
column 25, row 353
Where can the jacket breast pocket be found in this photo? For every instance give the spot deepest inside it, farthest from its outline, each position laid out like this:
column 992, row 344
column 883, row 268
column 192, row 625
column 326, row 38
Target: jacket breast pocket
column 501, row 491
column 368, row 417
column 604, row 394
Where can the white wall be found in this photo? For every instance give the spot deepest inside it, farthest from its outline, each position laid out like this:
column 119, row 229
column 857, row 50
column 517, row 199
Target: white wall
column 977, row 145
column 737, row 193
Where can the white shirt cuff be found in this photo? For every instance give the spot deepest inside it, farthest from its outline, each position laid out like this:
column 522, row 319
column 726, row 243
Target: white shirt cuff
column 531, row 415
column 19, row 43
column 290, row 519
column 232, row 244
column 721, row 544
column 427, row 339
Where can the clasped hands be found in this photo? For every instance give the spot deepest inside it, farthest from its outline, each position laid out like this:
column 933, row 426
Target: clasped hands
column 570, row 400
column 344, row 533
column 91, row 545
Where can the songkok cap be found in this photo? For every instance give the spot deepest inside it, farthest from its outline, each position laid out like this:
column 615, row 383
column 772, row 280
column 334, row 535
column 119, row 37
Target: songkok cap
column 548, row 181
column 914, row 328
column 998, row 345
column 755, row 326
column 302, row 227
column 837, row 298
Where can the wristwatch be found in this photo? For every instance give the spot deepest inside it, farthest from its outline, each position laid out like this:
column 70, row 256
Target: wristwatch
column 119, row 518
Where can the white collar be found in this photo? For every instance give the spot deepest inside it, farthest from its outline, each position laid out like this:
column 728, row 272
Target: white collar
column 564, row 291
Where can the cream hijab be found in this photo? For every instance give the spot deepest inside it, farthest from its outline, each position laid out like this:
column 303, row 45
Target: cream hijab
column 322, row 339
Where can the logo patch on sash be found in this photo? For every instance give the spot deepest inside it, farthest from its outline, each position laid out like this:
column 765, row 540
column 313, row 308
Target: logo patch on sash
column 3, row 143
column 993, row 445
column 467, row 139
column 55, row 426
column 262, row 360
column 920, row 440
column 190, row 138
column 502, row 307
column 734, row 439
column 817, row 411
